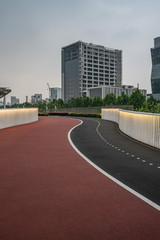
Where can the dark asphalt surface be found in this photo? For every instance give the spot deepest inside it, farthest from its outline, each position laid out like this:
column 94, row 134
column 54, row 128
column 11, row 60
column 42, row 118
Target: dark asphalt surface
column 134, row 164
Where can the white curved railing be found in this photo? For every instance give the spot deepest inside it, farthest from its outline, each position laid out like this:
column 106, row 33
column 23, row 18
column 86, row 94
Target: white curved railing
column 144, row 127
column 17, row 116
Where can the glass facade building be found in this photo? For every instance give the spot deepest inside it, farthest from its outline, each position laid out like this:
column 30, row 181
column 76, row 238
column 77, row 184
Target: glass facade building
column 155, row 75
column 87, row 65
column 55, row 93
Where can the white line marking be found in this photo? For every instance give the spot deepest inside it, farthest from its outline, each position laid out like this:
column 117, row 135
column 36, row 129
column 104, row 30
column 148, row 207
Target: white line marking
column 151, row 164
column 146, row 200
column 138, row 158
column 132, row 156
column 143, row 160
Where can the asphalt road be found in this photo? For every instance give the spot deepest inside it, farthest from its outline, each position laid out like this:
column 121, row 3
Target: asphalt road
column 132, row 163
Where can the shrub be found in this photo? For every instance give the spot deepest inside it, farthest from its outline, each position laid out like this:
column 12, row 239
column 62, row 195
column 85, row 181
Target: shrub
column 42, row 114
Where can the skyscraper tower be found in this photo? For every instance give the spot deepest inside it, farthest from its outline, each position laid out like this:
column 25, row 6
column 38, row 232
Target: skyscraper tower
column 87, row 65
column 155, row 75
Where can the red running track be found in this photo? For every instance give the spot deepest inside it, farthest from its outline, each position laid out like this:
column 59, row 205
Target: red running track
column 48, row 192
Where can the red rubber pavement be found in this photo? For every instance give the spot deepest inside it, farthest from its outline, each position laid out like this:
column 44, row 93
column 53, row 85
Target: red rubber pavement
column 48, row 192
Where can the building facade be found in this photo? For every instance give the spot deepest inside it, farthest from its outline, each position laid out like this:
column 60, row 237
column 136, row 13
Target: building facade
column 14, row 100
column 36, row 98
column 55, row 93
column 155, row 74
column 102, row 91
column 87, row 65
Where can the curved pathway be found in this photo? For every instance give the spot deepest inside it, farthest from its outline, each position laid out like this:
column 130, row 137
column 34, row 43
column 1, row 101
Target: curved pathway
column 132, row 163
column 47, row 191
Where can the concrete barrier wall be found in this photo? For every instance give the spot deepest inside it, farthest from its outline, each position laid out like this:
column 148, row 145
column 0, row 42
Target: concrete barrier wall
column 144, row 127
column 14, row 117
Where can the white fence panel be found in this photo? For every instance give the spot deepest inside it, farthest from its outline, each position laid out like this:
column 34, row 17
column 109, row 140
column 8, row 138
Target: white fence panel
column 144, row 127
column 14, row 117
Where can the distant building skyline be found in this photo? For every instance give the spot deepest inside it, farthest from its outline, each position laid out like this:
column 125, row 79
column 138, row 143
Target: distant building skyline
column 87, row 65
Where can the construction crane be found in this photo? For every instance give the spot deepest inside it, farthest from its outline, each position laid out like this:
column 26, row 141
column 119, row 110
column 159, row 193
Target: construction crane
column 49, row 89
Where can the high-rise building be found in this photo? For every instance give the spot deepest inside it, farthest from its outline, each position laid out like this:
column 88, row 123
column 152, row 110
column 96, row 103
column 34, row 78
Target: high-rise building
column 55, row 93
column 36, row 98
column 14, row 100
column 87, row 65
column 155, row 75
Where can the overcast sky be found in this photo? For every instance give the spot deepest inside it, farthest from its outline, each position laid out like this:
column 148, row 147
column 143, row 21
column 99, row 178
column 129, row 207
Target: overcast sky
column 32, row 33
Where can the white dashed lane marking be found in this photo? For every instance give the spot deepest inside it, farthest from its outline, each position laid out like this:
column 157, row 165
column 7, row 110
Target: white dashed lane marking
column 113, row 146
column 138, row 158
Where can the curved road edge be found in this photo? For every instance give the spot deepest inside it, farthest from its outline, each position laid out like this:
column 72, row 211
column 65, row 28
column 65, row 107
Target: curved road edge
column 146, row 200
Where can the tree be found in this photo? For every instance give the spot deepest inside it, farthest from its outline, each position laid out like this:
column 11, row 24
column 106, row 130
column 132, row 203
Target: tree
column 137, row 99
column 71, row 102
column 97, row 102
column 60, row 103
column 42, row 105
column 87, row 102
column 124, row 99
column 79, row 102
column 110, row 99
column 151, row 103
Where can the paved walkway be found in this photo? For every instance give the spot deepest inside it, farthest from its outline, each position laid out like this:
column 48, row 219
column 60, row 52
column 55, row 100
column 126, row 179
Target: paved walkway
column 48, row 192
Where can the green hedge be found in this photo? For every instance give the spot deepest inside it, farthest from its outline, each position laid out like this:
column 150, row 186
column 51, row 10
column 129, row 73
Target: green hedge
column 42, row 114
